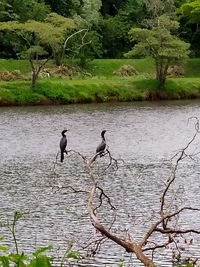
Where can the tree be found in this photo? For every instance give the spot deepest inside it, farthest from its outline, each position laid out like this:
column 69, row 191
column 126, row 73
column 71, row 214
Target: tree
column 164, row 228
column 23, row 10
column 18, row 10
column 161, row 44
column 191, row 11
column 63, row 7
column 84, row 45
column 114, row 28
column 115, row 38
column 88, row 41
column 37, row 38
column 66, row 26
column 189, row 14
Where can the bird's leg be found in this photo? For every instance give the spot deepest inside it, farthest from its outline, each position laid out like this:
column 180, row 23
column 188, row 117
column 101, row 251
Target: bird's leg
column 102, row 154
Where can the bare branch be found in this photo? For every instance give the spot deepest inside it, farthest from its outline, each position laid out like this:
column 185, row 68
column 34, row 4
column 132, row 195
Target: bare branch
column 72, row 35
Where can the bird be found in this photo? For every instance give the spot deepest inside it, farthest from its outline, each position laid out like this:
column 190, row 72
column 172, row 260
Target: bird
column 63, row 144
column 101, row 147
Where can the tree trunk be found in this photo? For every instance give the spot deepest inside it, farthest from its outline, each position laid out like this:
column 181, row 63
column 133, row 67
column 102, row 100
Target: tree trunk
column 34, row 78
column 160, row 77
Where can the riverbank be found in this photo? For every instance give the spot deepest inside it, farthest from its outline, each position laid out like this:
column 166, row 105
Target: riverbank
column 58, row 91
column 100, row 86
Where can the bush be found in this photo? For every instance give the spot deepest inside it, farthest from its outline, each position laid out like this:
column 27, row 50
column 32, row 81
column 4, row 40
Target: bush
column 11, row 75
column 126, row 70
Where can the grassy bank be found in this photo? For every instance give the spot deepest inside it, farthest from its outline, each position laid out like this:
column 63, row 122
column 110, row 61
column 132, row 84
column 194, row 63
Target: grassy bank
column 101, row 86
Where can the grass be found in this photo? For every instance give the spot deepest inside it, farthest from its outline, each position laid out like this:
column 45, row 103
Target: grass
column 11, row 65
column 103, row 86
column 106, row 67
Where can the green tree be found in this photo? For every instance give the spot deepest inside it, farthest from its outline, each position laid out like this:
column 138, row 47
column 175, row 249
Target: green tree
column 37, row 38
column 115, row 38
column 87, row 43
column 63, row 7
column 133, row 12
column 189, row 13
column 114, row 29
column 23, row 10
column 159, row 43
column 112, row 7
column 66, row 26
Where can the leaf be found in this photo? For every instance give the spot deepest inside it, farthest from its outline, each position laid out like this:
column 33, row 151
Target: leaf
column 18, row 259
column 41, row 250
column 3, row 248
column 4, row 260
column 73, row 255
column 40, row 261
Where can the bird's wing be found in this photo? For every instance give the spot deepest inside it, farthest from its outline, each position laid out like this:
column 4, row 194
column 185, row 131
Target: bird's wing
column 101, row 147
column 63, row 143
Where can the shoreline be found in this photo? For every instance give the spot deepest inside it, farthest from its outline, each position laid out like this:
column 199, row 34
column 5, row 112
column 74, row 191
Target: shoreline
column 96, row 90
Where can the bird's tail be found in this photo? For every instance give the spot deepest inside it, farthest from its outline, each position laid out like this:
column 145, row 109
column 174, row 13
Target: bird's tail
column 61, row 156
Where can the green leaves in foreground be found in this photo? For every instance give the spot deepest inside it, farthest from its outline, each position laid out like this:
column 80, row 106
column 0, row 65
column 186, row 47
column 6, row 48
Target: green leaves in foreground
column 38, row 259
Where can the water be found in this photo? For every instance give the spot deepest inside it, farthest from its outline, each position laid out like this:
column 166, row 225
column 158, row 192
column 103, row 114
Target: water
column 144, row 135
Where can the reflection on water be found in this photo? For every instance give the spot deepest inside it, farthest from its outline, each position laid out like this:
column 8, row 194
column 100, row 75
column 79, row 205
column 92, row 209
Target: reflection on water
column 142, row 134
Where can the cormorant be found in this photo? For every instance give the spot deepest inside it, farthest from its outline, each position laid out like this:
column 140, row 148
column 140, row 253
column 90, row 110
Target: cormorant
column 63, row 144
column 101, row 147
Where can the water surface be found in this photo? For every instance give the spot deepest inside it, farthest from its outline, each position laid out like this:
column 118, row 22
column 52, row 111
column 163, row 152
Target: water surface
column 144, row 135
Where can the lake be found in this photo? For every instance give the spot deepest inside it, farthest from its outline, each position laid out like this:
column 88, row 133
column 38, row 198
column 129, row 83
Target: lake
column 145, row 135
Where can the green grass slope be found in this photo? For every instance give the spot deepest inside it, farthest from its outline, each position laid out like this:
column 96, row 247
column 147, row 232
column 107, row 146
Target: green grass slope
column 102, row 86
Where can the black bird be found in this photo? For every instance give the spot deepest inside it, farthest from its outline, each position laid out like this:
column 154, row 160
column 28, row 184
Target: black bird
column 101, row 147
column 63, row 144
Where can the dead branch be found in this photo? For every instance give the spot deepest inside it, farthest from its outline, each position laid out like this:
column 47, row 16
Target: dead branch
column 161, row 226
column 128, row 245
column 72, row 35
column 101, row 201
column 57, row 188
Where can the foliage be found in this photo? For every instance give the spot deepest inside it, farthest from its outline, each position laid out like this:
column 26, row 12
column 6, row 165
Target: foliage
column 51, row 32
column 23, row 10
column 133, row 12
column 84, row 47
column 38, row 257
column 37, row 36
column 109, row 20
column 90, row 11
column 191, row 11
column 112, row 7
column 166, row 49
column 115, row 37
column 63, row 7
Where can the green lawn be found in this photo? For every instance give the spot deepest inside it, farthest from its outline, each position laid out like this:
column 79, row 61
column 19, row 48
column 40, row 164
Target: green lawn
column 102, row 86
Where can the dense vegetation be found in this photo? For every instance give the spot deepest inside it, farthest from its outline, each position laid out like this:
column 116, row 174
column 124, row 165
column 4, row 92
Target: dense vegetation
column 39, row 31
column 108, row 22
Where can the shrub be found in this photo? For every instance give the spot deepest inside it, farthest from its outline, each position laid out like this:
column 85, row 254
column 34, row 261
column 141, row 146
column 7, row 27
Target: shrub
column 126, row 70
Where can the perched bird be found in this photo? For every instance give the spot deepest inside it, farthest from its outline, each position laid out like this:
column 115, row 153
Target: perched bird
column 63, row 144
column 101, row 147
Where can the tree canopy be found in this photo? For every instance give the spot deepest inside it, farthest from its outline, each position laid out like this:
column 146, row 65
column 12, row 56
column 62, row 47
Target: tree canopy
column 159, row 43
column 109, row 21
